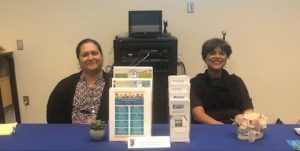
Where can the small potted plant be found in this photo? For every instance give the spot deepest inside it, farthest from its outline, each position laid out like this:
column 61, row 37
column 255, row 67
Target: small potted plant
column 97, row 131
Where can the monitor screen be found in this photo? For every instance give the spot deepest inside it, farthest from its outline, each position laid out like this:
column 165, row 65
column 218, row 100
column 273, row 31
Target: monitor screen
column 145, row 22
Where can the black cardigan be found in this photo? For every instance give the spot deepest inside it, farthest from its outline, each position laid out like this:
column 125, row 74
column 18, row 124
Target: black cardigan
column 60, row 103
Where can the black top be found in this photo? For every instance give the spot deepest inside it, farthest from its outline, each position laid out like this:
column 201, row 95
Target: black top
column 222, row 98
column 60, row 104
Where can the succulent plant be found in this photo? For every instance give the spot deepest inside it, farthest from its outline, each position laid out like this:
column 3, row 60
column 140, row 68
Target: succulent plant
column 97, row 124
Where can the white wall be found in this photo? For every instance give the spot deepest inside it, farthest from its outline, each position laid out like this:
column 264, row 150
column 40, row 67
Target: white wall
column 263, row 35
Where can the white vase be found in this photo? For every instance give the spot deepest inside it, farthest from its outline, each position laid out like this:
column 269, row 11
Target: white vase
column 249, row 134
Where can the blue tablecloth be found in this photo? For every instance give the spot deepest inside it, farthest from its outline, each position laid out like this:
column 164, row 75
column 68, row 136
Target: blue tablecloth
column 203, row 137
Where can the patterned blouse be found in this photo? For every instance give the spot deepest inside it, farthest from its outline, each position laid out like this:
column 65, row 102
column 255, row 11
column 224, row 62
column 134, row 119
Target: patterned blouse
column 86, row 101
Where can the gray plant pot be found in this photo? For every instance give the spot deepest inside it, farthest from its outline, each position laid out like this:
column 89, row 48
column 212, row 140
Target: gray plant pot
column 97, row 135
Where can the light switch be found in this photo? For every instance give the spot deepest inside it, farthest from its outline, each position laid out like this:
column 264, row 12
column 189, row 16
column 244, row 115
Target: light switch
column 190, row 6
column 20, row 45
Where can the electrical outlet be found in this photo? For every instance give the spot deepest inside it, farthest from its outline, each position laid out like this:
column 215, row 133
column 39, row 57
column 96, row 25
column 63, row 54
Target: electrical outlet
column 26, row 100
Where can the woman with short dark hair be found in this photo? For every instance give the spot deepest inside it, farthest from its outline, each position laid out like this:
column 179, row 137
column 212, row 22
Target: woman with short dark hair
column 217, row 96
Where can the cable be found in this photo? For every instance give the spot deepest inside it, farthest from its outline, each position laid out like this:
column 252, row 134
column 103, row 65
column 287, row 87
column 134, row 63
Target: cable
column 135, row 59
column 142, row 59
column 132, row 63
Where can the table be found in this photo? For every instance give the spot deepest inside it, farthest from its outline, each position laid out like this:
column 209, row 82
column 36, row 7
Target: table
column 70, row 137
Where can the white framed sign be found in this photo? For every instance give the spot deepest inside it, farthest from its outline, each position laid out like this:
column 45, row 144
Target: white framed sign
column 130, row 113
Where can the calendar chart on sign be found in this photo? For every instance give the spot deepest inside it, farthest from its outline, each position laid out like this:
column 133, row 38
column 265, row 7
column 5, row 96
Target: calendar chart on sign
column 129, row 113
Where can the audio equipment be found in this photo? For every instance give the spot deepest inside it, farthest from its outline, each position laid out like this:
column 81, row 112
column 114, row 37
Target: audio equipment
column 161, row 54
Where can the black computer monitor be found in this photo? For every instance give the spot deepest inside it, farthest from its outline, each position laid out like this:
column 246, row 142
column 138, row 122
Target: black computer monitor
column 145, row 23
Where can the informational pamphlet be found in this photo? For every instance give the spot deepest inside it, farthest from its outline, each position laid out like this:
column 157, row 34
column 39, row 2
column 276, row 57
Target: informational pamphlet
column 130, row 113
column 130, row 103
column 133, row 72
column 179, row 108
column 294, row 143
column 131, row 83
column 7, row 129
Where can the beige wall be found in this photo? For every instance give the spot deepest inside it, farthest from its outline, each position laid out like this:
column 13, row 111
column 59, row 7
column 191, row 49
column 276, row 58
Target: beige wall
column 264, row 35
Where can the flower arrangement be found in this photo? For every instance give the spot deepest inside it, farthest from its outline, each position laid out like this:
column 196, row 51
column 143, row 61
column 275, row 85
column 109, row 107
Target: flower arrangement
column 251, row 120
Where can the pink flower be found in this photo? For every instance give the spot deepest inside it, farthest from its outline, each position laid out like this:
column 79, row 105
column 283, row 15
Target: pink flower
column 239, row 119
column 255, row 123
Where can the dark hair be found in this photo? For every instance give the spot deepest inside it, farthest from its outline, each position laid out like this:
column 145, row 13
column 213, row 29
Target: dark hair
column 214, row 43
column 84, row 41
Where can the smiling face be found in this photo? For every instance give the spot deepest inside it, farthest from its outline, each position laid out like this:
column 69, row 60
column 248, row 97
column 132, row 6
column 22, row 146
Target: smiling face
column 216, row 59
column 90, row 58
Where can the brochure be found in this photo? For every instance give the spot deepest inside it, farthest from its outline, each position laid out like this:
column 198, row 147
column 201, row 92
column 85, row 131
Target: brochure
column 129, row 113
column 179, row 108
column 131, row 83
column 295, row 144
column 133, row 72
